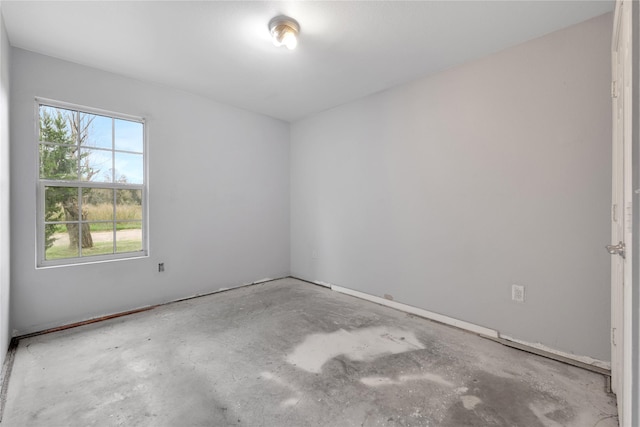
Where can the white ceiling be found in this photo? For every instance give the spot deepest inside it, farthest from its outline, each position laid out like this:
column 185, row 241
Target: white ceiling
column 222, row 50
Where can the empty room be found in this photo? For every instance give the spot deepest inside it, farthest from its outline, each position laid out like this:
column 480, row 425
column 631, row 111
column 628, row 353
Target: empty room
column 319, row 213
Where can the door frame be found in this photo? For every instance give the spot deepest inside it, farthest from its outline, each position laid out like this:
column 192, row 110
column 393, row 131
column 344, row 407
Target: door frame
column 624, row 219
column 633, row 320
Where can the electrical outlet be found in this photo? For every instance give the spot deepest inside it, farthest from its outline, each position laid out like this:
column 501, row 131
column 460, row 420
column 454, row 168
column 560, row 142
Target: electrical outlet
column 517, row 293
column 161, row 267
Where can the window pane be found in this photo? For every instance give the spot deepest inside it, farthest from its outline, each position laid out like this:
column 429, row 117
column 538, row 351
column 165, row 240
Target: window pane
column 62, row 246
column 129, row 168
column 97, row 204
column 78, row 148
column 128, row 205
column 129, row 236
column 56, row 125
column 60, row 204
column 129, row 136
column 101, row 240
column 95, row 131
column 58, row 162
column 95, row 165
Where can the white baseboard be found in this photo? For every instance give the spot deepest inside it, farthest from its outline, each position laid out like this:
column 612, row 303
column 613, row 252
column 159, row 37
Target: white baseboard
column 420, row 312
column 471, row 327
column 582, row 359
column 321, row 283
column 266, row 279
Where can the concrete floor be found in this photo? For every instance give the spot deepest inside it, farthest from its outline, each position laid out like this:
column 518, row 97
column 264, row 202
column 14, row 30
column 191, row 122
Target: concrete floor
column 287, row 353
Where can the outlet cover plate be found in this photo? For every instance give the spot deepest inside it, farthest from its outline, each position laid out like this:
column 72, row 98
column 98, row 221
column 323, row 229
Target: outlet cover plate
column 517, row 293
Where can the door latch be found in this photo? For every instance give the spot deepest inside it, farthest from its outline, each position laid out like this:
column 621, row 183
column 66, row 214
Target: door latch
column 616, row 249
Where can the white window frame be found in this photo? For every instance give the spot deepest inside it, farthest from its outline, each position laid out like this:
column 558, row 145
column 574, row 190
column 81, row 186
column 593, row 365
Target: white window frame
column 41, row 262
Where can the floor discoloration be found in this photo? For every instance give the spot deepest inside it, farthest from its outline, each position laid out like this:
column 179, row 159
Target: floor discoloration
column 498, row 401
column 287, row 353
column 385, row 381
column 470, row 402
column 359, row 344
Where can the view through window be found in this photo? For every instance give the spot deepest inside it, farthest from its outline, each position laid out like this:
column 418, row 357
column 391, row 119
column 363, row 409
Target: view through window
column 92, row 189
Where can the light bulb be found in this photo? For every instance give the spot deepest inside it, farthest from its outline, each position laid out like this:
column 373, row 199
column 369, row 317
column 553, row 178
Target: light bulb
column 290, row 40
column 284, row 31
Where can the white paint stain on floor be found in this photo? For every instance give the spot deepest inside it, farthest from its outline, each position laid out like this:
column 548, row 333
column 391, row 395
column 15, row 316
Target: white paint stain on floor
column 385, row 381
column 364, row 344
column 140, row 366
column 292, row 401
column 470, row 402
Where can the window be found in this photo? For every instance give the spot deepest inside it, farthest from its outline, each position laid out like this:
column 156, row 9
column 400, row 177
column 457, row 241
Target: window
column 92, row 185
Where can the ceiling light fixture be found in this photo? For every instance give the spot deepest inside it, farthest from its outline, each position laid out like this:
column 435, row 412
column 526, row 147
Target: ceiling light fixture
column 284, row 31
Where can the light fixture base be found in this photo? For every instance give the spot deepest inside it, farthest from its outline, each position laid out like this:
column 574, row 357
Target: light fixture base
column 284, row 31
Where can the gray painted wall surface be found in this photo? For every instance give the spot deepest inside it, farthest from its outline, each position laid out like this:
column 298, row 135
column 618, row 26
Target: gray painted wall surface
column 219, row 197
column 446, row 191
column 5, row 327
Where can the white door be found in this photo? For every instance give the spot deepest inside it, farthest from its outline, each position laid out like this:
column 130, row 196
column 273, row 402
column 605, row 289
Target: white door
column 621, row 212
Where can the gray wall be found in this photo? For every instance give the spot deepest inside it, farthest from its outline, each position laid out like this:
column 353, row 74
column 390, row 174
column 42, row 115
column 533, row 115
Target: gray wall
column 446, row 191
column 5, row 328
column 218, row 197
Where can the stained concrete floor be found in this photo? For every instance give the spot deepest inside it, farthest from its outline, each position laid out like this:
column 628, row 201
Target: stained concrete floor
column 287, row 353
